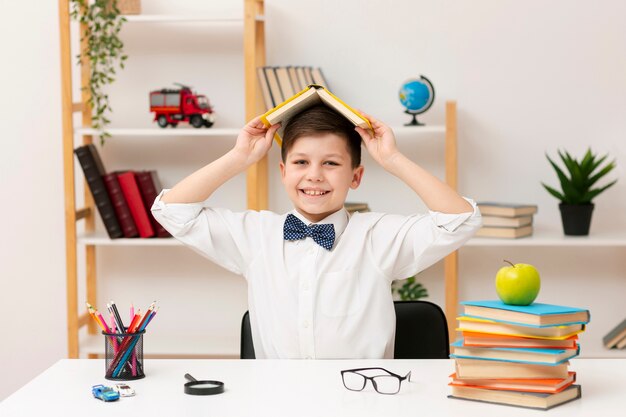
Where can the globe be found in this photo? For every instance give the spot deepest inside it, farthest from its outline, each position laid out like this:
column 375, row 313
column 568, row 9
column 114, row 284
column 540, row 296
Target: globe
column 417, row 95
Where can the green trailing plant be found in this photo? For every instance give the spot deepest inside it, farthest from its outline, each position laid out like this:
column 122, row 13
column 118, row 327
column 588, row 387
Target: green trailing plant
column 409, row 289
column 104, row 51
column 577, row 187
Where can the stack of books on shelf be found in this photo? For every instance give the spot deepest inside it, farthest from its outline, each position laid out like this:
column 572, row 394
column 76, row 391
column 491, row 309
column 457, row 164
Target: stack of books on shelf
column 616, row 338
column 504, row 220
column 356, row 207
column 280, row 83
column 123, row 198
column 517, row 355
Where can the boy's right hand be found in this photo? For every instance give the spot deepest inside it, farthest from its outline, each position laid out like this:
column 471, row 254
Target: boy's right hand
column 254, row 141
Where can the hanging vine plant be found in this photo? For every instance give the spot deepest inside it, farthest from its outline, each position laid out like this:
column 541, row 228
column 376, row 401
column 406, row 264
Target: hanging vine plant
column 104, row 51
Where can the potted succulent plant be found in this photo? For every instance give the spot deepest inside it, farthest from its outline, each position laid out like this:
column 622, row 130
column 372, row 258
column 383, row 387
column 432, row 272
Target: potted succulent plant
column 577, row 190
column 104, row 50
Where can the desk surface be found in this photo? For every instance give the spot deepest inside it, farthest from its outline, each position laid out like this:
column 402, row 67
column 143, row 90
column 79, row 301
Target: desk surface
column 292, row 388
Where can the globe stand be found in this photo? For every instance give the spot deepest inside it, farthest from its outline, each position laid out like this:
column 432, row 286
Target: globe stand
column 413, row 122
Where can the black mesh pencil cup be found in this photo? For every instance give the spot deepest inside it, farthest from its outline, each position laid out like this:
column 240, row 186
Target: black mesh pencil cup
column 124, row 356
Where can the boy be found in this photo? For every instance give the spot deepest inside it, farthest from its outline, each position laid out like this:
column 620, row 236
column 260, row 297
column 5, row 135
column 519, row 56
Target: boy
column 319, row 291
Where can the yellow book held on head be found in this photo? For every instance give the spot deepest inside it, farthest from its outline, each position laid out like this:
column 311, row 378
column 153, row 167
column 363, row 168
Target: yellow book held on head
column 310, row 96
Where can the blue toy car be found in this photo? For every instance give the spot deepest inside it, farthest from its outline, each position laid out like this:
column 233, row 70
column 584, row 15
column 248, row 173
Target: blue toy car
column 104, row 393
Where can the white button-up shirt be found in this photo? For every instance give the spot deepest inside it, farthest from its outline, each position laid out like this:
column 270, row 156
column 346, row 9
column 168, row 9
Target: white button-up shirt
column 306, row 301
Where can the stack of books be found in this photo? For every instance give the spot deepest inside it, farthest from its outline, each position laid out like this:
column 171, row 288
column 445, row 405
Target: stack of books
column 616, row 338
column 517, row 355
column 123, row 198
column 504, row 220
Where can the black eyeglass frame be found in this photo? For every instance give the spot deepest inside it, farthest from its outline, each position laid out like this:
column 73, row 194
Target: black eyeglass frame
column 371, row 378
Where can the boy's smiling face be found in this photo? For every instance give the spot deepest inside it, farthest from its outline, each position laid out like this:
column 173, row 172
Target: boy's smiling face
column 318, row 174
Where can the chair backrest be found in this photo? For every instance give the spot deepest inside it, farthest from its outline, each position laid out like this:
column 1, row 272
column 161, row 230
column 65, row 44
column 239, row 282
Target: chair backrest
column 246, row 350
column 421, row 332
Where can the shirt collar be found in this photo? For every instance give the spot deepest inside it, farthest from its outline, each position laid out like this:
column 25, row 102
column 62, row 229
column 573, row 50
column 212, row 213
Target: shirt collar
column 338, row 219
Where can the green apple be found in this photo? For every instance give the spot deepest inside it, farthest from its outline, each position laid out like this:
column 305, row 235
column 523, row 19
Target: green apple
column 518, row 284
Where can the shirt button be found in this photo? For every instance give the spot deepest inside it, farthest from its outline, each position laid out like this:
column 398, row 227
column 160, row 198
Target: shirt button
column 311, row 251
column 305, row 287
column 305, row 324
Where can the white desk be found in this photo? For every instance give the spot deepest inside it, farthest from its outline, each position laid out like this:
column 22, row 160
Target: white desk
column 292, row 388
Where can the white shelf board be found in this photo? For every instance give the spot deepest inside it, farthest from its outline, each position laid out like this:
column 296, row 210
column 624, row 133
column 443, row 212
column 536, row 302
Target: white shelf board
column 155, row 345
column 168, row 18
column 556, row 239
column 538, row 239
column 401, row 130
column 148, row 132
column 101, row 239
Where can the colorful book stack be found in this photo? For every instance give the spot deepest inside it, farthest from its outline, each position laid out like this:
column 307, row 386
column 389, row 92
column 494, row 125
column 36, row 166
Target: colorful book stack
column 517, row 355
column 504, row 220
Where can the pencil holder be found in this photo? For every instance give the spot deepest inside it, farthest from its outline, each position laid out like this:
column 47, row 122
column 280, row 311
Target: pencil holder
column 123, row 356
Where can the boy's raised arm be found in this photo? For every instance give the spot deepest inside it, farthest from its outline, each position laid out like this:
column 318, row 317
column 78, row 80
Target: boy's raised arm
column 253, row 142
column 436, row 194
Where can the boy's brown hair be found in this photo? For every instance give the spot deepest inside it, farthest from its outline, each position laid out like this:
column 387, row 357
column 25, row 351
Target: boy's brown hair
column 318, row 120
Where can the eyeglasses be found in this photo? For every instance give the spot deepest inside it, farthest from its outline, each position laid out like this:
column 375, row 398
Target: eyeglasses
column 385, row 383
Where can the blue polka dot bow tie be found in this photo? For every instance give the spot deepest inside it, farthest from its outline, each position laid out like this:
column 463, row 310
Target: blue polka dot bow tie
column 322, row 234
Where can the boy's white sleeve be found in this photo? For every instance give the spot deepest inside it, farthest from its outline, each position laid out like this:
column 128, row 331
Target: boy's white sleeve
column 405, row 245
column 223, row 236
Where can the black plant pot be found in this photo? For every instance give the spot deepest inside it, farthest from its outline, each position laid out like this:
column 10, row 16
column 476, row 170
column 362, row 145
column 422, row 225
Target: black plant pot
column 576, row 218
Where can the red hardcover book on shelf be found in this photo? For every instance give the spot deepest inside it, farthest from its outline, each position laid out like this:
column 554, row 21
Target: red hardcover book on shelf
column 122, row 211
column 138, row 210
column 150, row 187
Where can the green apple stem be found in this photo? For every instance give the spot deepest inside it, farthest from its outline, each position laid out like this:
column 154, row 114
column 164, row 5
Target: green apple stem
column 509, row 262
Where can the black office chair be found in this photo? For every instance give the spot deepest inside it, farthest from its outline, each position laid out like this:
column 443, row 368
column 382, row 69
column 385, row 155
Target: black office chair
column 421, row 332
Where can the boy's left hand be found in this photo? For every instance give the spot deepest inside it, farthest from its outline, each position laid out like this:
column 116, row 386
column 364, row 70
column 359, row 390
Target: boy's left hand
column 382, row 146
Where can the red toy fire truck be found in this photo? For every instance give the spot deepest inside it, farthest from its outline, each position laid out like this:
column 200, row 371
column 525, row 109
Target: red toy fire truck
column 183, row 105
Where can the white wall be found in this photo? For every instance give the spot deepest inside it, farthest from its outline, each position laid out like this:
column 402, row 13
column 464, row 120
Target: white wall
column 529, row 77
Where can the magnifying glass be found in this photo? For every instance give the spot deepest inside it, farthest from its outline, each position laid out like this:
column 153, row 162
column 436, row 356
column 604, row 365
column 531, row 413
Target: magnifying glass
column 195, row 387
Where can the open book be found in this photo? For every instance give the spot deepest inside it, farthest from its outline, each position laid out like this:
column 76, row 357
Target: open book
column 310, row 96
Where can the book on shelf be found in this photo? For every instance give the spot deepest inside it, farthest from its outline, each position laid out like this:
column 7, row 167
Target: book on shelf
column 265, row 88
column 149, row 187
column 526, row 399
column 495, row 221
column 273, row 85
column 122, row 211
column 485, row 369
column 284, row 81
column 495, row 340
column 489, row 208
column 302, row 80
column 130, row 189
column 93, row 169
column 615, row 336
column 354, row 207
column 293, row 77
column 310, row 96
column 550, row 386
column 308, row 76
column 505, row 232
column 472, row 324
column 535, row 314
column 534, row 356
column 621, row 344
